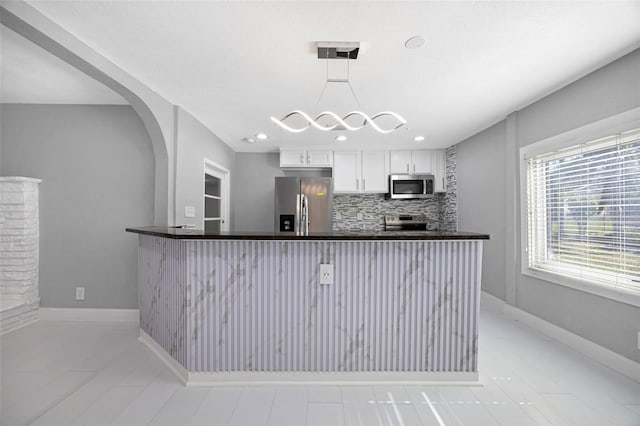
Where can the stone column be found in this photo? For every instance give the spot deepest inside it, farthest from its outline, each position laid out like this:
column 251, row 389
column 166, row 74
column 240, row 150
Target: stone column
column 19, row 236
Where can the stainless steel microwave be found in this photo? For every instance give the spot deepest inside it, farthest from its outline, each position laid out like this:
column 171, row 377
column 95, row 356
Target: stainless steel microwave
column 410, row 186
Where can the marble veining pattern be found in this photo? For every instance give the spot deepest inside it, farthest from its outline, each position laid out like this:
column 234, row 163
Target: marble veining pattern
column 258, row 305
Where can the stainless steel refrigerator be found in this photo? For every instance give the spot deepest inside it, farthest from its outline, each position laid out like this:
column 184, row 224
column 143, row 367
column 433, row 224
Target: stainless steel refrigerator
column 303, row 204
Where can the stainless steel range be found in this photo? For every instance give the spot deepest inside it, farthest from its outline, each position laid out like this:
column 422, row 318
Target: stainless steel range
column 406, row 222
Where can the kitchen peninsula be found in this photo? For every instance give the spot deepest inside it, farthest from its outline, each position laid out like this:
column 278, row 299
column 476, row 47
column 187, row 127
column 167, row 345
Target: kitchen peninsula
column 239, row 307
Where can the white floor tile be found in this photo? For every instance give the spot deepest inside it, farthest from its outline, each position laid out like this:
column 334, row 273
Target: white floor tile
column 218, row 407
column 289, row 406
column 40, row 402
column 181, row 407
column 323, row 393
column 325, row 414
column 362, row 414
column 111, row 404
column 145, row 407
column 98, row 373
column 253, row 407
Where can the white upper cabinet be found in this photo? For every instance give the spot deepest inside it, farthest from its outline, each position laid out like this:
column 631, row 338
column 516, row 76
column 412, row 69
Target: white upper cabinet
column 346, row 171
column 403, row 162
column 375, row 171
column 360, row 171
column 400, row 162
column 439, row 167
column 306, row 158
column 420, row 162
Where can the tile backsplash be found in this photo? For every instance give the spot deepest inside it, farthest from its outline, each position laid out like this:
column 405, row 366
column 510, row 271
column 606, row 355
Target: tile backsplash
column 353, row 212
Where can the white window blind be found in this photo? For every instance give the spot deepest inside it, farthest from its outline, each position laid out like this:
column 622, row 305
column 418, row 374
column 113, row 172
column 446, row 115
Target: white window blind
column 583, row 212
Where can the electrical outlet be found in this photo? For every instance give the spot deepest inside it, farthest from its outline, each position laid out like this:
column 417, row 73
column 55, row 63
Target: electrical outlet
column 189, row 211
column 79, row 293
column 326, row 273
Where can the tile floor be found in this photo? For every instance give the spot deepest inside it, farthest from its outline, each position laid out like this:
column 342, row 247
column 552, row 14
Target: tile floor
column 81, row 373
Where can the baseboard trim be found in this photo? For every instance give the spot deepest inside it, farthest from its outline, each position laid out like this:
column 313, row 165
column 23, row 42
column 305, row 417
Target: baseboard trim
column 607, row 357
column 175, row 367
column 492, row 302
column 239, row 378
column 88, row 314
column 352, row 378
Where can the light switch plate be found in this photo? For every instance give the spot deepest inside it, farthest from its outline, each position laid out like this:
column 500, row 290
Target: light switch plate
column 189, row 211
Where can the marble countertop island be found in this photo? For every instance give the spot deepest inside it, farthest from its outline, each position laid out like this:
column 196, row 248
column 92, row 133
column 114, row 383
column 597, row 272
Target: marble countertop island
column 247, row 307
column 199, row 234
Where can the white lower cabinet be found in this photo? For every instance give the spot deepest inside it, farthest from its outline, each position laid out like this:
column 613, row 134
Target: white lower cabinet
column 360, row 171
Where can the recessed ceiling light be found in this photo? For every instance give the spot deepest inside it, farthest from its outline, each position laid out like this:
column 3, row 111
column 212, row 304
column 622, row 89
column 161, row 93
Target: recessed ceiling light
column 418, row 138
column 248, row 140
column 262, row 136
column 341, row 138
column 414, row 42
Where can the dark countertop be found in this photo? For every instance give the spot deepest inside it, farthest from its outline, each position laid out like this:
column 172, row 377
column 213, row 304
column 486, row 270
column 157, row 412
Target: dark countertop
column 199, row 234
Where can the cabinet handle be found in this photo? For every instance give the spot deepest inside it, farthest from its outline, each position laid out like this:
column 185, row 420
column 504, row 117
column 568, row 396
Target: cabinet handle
column 407, row 167
column 414, row 167
column 357, row 185
column 302, row 158
column 443, row 184
column 308, row 158
column 363, row 184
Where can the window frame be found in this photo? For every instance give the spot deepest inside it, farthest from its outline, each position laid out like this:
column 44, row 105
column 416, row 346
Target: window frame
column 610, row 126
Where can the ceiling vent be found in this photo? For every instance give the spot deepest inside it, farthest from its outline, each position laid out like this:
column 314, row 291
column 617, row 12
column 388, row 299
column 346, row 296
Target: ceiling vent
column 338, row 49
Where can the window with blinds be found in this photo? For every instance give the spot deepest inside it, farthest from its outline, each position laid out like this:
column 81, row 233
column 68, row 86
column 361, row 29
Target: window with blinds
column 583, row 208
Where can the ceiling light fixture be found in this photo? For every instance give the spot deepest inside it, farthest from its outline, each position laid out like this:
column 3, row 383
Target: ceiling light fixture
column 414, row 42
column 262, row 136
column 341, row 138
column 248, row 140
column 418, row 138
column 348, row 51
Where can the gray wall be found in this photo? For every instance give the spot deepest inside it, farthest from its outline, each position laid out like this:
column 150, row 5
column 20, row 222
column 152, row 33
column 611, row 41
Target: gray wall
column 480, row 177
column 97, row 169
column 611, row 90
column 254, row 190
column 193, row 143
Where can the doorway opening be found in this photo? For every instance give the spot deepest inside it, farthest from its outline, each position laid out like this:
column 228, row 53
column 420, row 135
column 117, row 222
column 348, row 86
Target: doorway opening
column 216, row 197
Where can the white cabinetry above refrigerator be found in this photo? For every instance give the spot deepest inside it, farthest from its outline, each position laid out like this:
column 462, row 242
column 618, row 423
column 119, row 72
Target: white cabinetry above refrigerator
column 302, row 158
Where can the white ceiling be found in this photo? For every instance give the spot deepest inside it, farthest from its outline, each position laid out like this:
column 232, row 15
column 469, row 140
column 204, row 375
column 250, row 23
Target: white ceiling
column 233, row 64
column 30, row 74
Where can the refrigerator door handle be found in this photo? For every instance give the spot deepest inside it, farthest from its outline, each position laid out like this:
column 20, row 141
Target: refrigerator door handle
column 304, row 217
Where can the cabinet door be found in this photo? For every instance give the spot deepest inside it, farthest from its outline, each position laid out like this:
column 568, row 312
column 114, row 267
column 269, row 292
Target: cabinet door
column 293, row 158
column 375, row 172
column 439, row 161
column 319, row 158
column 346, row 171
column 421, row 161
column 400, row 162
